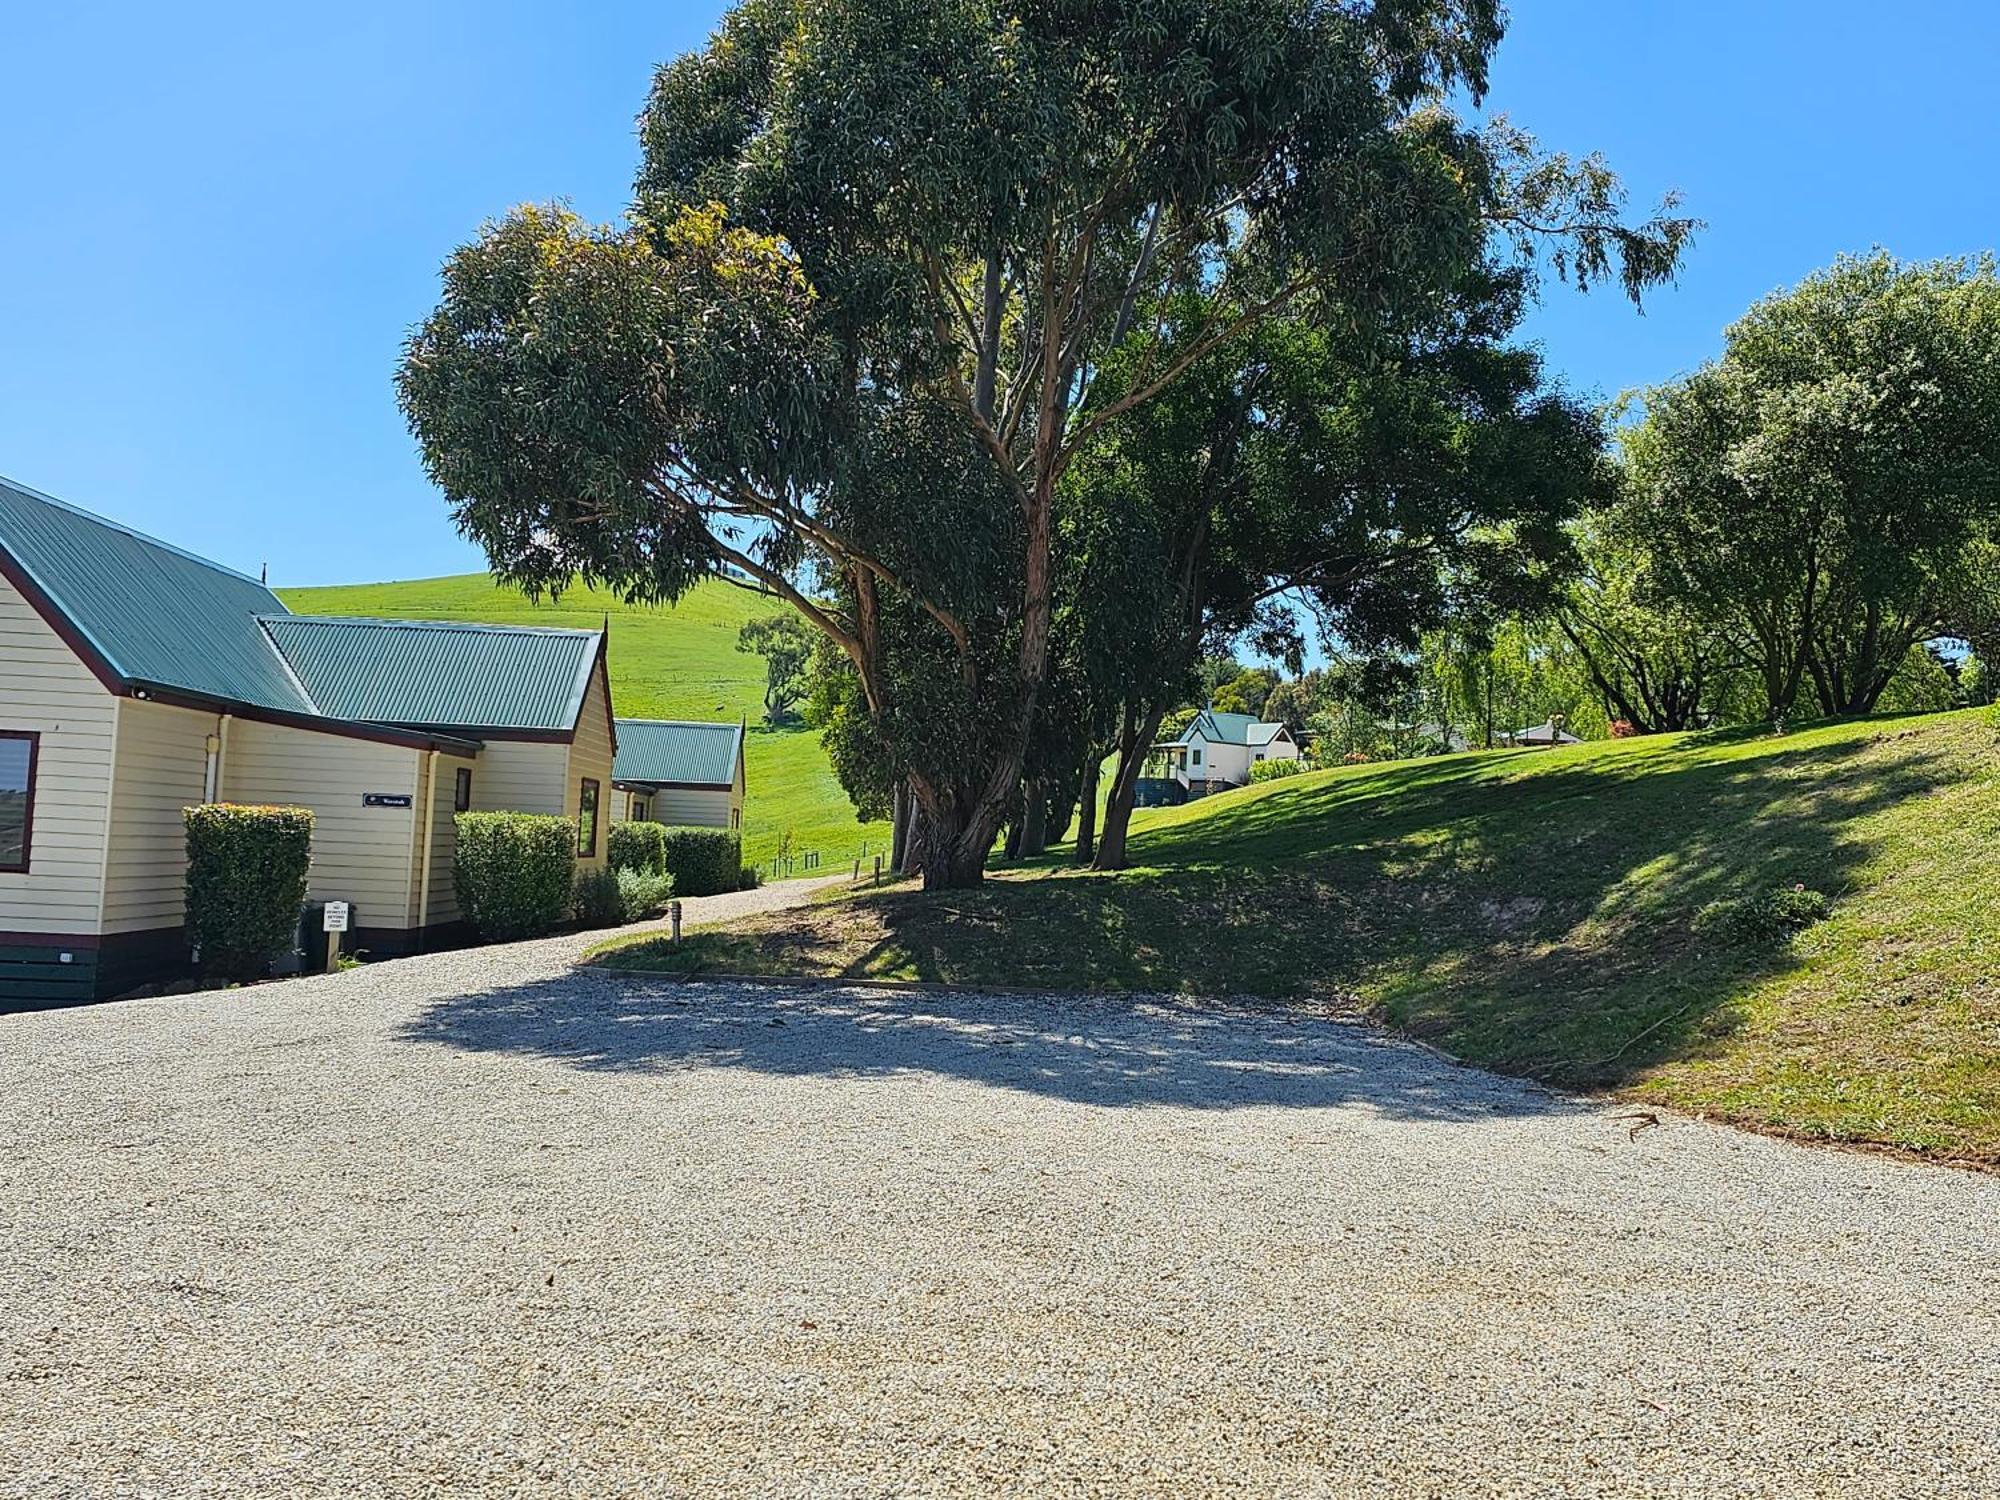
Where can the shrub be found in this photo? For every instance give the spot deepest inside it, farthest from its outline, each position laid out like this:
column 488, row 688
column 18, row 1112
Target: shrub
column 611, row 898
column 246, row 880
column 703, row 861
column 513, row 872
column 1772, row 914
column 1356, row 758
column 1272, row 770
column 596, row 898
column 1623, row 729
column 643, row 895
column 637, row 846
column 750, row 879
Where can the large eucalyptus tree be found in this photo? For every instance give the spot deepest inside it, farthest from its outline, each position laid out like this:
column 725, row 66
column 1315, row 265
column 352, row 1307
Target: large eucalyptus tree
column 851, row 337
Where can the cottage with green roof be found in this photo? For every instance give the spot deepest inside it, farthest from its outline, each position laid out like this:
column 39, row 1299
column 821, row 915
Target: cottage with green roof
column 680, row 771
column 1216, row 750
column 136, row 679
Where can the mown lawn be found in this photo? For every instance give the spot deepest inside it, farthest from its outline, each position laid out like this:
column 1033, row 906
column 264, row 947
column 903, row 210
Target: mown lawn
column 678, row 662
column 1535, row 912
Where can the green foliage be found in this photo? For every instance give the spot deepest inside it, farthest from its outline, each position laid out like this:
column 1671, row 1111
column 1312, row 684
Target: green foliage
column 246, row 880
column 1764, row 916
column 785, row 642
column 703, row 861
column 893, row 269
column 1274, row 770
column 637, row 846
column 749, row 879
column 514, row 872
column 608, row 897
column 1822, row 493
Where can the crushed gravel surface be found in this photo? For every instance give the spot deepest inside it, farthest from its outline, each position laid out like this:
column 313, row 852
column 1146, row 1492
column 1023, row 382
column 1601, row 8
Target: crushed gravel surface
column 477, row 1223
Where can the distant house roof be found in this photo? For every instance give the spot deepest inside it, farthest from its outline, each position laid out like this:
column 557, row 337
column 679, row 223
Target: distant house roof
column 1544, row 733
column 149, row 617
column 678, row 752
column 439, row 674
column 1229, row 729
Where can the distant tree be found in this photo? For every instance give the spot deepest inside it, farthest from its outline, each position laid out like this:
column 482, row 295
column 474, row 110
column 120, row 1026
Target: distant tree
column 1246, row 692
column 1817, row 493
column 1657, row 663
column 785, row 642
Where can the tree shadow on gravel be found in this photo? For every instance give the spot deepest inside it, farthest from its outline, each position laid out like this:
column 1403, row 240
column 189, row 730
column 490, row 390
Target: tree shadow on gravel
column 1116, row 1051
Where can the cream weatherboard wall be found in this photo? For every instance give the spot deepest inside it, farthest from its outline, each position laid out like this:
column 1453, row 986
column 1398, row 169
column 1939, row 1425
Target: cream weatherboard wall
column 162, row 768
column 687, row 808
column 51, row 693
column 444, row 837
column 590, row 755
column 360, row 854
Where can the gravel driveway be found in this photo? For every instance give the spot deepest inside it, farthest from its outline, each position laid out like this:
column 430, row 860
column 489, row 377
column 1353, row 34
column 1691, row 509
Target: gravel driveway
column 476, row 1223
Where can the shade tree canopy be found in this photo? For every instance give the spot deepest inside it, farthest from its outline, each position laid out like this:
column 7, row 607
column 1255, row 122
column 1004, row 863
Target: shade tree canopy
column 893, row 270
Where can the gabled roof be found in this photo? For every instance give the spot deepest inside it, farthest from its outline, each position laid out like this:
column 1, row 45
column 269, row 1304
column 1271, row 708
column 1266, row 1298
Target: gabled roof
column 153, row 614
column 1228, row 729
column 678, row 752
column 149, row 618
column 439, row 674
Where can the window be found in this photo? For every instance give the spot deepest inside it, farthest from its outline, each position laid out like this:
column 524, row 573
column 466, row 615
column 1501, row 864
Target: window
column 461, row 790
column 735, row 817
column 640, row 809
column 18, row 751
column 586, row 820
column 1196, row 755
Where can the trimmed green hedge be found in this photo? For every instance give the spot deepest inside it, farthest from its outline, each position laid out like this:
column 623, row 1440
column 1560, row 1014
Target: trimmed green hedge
column 1272, row 770
column 637, row 846
column 246, row 880
column 703, row 861
column 514, row 872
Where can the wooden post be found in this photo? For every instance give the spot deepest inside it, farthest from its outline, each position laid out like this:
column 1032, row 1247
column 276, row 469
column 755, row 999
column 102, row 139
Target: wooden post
column 878, row 869
column 675, row 911
column 332, row 951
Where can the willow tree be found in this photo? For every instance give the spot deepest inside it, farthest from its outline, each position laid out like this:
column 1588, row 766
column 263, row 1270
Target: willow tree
column 848, row 341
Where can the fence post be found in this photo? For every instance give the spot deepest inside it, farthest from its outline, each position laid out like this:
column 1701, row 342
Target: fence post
column 878, row 869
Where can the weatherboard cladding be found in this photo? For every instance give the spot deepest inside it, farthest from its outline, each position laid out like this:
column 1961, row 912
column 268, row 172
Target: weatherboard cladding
column 678, row 751
column 439, row 674
column 160, row 618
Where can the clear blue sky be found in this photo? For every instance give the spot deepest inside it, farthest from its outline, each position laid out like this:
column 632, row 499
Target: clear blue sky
column 220, row 220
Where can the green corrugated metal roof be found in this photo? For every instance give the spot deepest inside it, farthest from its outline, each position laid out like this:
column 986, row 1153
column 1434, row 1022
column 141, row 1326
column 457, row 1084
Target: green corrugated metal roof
column 1222, row 729
column 164, row 618
column 682, row 750
column 157, row 614
column 439, row 674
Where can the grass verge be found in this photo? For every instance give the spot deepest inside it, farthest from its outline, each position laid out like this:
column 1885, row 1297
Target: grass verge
column 1540, row 913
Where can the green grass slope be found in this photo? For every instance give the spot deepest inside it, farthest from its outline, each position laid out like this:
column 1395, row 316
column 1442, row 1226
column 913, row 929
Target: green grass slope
column 677, row 662
column 1536, row 912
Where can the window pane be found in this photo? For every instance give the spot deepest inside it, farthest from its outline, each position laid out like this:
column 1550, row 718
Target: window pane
column 14, row 757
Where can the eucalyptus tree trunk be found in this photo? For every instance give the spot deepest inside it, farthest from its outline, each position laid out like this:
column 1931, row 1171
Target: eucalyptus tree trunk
column 1034, row 839
column 1086, row 811
column 1135, row 738
column 900, row 807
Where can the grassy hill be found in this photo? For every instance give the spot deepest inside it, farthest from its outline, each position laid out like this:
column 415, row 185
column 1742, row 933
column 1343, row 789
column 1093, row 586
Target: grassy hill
column 668, row 663
column 1541, row 912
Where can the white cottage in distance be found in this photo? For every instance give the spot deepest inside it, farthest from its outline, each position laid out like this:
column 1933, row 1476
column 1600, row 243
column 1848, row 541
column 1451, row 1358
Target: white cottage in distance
column 1216, row 750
